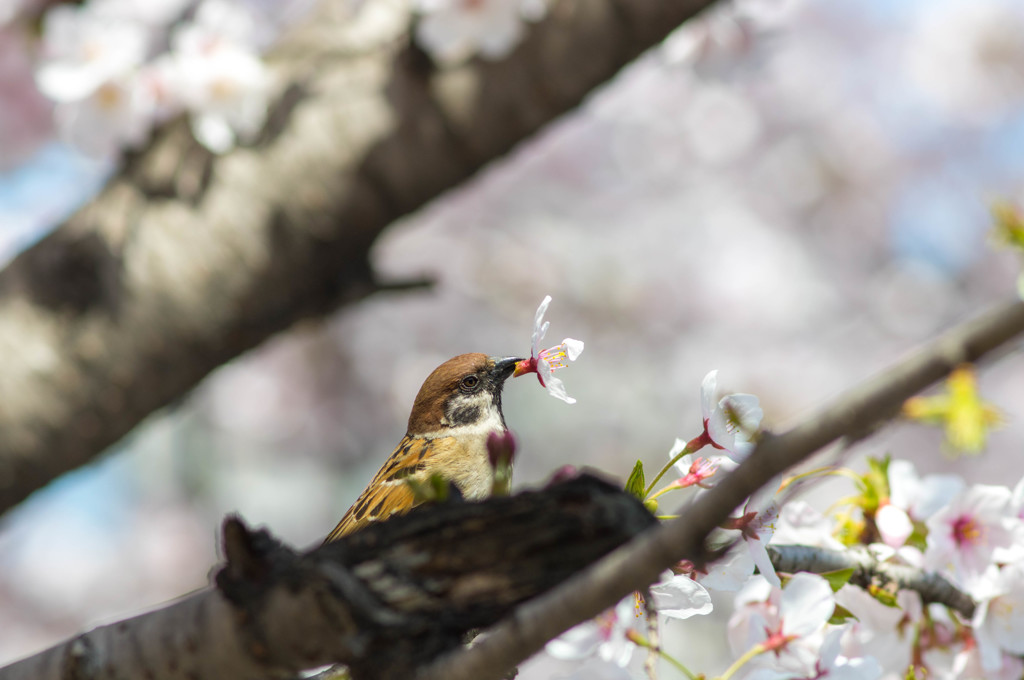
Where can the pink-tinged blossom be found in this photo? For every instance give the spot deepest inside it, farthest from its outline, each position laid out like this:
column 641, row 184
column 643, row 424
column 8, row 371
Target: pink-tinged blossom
column 788, row 624
column 696, row 470
column 603, row 637
column 1015, row 551
column 800, row 524
column 220, row 79
column 733, row 422
column 545, row 362
column 885, row 633
column 832, row 665
column 729, row 572
column 967, row 665
column 757, row 526
column 912, row 499
column 90, row 67
column 452, row 31
column 119, row 114
column 969, row 57
column 999, row 618
column 964, row 535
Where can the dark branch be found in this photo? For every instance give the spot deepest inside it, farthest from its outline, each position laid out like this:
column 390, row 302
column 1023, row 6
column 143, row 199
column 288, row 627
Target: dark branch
column 384, row 600
column 869, row 572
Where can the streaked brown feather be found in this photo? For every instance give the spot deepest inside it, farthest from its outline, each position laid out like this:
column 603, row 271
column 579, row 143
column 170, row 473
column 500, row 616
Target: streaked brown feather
column 389, row 492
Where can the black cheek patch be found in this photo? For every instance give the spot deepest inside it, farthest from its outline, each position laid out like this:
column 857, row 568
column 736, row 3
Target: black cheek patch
column 464, row 415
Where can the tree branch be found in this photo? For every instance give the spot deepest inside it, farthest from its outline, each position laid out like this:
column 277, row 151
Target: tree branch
column 382, row 601
column 868, row 571
column 638, row 564
column 186, row 260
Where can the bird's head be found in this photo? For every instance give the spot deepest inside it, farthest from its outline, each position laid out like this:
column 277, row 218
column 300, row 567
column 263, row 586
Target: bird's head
column 463, row 392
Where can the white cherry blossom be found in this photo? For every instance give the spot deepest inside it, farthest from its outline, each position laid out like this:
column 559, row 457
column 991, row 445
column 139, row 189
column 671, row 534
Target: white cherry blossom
column 999, row 619
column 964, row 535
column 221, row 80
column 545, row 362
column 90, row 67
column 733, row 422
column 789, row 623
column 912, row 499
column 603, row 637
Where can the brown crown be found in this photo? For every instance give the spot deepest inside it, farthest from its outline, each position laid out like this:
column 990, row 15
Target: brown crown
column 428, row 409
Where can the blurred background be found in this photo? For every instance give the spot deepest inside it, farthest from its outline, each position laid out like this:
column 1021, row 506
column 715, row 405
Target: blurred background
column 794, row 192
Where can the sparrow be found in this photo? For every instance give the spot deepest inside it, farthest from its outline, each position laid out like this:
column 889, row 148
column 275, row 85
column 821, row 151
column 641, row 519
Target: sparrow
column 456, row 409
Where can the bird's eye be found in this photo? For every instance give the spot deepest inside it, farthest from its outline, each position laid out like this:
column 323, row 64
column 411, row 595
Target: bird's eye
column 470, row 382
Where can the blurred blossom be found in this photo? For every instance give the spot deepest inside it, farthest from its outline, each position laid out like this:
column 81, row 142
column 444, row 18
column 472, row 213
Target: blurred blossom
column 801, row 524
column 603, row 637
column 452, row 31
column 8, row 10
column 967, row 531
column 720, row 124
column 789, row 621
column 219, row 78
column 912, row 499
column 90, row 68
column 713, row 45
column 999, row 619
column 968, row 55
column 83, row 50
column 153, row 13
column 886, row 633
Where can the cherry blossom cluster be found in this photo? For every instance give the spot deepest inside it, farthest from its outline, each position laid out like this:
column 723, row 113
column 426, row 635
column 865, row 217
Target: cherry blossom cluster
column 116, row 68
column 813, row 626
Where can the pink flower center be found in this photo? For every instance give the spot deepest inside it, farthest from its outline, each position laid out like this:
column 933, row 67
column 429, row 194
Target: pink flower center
column 606, row 624
column 701, row 469
column 967, row 531
column 555, row 357
column 776, row 640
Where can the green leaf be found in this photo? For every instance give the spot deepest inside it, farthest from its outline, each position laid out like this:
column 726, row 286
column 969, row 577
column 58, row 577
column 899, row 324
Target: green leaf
column 635, row 484
column 838, row 578
column 841, row 615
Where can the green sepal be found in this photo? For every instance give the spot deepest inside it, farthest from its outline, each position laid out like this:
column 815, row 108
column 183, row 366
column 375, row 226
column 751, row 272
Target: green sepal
column 635, row 484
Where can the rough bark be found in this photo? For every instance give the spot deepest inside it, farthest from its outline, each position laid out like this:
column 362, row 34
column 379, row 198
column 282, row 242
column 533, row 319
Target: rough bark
column 384, row 600
column 186, row 260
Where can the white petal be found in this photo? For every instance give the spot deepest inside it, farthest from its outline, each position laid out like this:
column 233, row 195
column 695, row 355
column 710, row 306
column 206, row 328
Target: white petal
column 730, row 572
column 681, row 597
column 213, row 132
column 759, row 553
column 573, row 348
column 807, row 604
column 708, row 386
column 555, row 387
column 578, row 642
column 894, row 525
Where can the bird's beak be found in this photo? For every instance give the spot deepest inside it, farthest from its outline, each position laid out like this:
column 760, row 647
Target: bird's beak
column 503, row 367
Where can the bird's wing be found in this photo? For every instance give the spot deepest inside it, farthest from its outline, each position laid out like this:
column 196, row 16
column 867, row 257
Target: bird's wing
column 388, row 493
